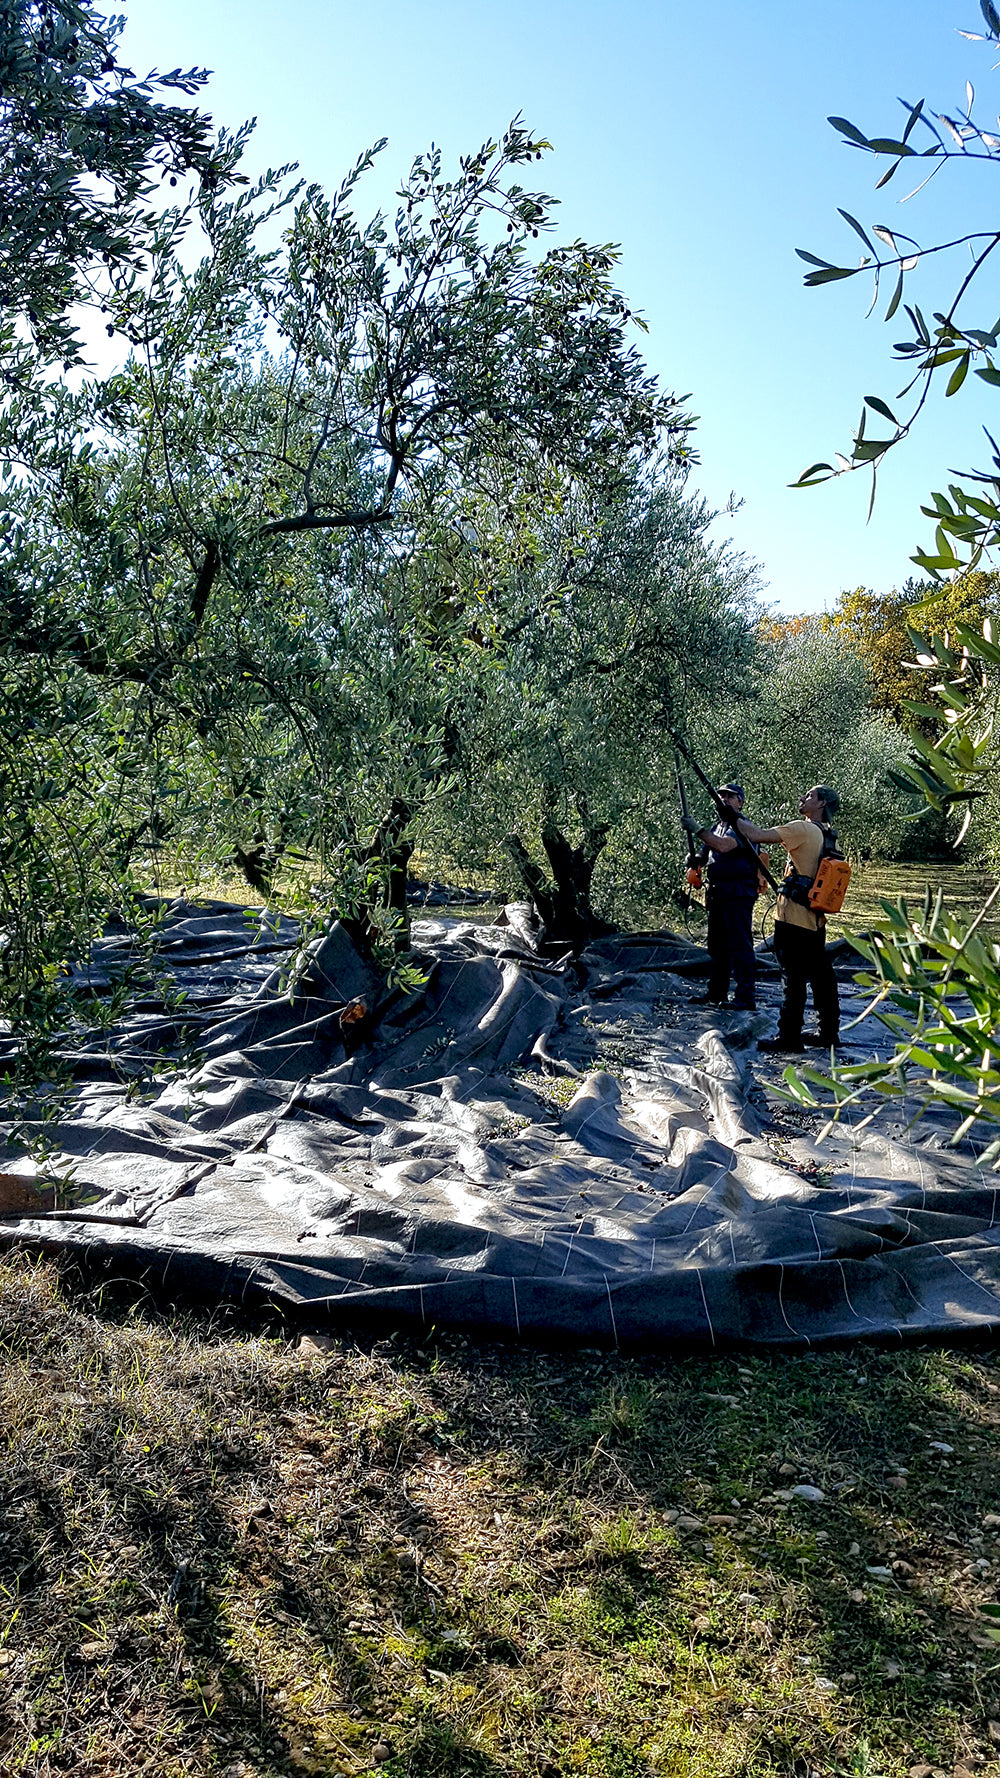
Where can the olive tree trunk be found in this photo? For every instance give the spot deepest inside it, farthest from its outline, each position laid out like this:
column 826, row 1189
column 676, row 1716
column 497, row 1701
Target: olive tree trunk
column 563, row 903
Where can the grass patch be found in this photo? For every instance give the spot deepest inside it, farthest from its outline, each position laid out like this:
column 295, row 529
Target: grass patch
column 222, row 1555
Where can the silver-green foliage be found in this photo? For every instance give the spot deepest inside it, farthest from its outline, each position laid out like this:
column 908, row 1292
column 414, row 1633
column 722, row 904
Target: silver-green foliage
column 945, row 344
column 934, row 978
column 82, row 143
column 797, row 714
column 623, row 614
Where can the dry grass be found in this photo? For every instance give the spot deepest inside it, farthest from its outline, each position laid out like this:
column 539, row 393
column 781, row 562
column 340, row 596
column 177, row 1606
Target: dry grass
column 223, row 1555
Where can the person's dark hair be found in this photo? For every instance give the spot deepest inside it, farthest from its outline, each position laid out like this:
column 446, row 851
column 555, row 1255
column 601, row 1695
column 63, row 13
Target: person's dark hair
column 830, row 800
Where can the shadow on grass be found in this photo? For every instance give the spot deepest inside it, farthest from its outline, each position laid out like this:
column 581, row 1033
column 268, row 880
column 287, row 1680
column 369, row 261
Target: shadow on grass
column 438, row 1750
column 631, row 1529
column 878, row 1583
column 163, row 1611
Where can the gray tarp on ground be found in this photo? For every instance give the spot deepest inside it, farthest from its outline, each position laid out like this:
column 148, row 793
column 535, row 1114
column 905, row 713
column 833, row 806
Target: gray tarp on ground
column 423, row 1181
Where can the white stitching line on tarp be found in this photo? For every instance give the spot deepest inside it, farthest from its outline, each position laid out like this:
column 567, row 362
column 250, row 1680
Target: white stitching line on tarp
column 916, row 1156
column 599, row 1105
column 537, row 993
column 781, row 1306
column 904, row 1281
column 819, row 1245
column 695, row 1209
column 704, row 1303
column 992, row 1294
column 920, row 1167
column 847, row 1295
column 852, row 1182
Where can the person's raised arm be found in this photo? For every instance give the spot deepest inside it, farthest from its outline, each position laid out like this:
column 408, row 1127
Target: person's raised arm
column 713, row 842
column 719, row 842
column 758, row 835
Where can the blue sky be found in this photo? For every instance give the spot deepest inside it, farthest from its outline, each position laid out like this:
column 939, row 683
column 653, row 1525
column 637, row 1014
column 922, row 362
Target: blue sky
column 696, row 137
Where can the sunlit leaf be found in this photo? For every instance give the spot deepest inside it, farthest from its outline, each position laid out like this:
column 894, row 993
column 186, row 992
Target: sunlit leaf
column 887, row 175
column 958, row 376
column 829, row 273
column 815, row 472
column 911, row 120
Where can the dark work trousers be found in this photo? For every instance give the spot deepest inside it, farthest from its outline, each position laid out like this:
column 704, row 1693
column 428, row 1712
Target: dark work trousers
column 804, row 964
column 730, row 945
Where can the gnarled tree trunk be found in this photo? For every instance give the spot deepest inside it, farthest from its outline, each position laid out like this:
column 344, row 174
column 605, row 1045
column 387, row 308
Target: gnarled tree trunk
column 563, row 904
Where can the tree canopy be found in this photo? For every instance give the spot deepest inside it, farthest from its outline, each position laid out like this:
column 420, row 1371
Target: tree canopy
column 268, row 590
column 83, row 142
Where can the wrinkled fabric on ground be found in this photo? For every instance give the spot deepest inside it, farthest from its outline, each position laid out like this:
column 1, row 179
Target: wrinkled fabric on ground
column 437, row 1178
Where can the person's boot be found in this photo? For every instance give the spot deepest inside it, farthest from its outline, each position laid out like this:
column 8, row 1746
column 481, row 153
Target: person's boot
column 709, row 1000
column 813, row 1041
column 780, row 1046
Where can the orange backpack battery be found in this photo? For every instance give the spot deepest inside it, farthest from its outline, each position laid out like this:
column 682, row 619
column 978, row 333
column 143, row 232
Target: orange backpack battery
column 830, row 886
column 824, row 893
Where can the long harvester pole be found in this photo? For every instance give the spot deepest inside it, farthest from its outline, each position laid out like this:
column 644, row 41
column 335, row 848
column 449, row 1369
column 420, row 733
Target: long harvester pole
column 724, row 813
column 692, row 848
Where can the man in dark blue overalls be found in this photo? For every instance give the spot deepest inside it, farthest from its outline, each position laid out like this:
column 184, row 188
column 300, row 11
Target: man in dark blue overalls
column 730, row 893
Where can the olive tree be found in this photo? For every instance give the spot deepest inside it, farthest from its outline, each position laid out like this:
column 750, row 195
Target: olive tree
column 803, row 715
column 239, row 542
column 621, row 618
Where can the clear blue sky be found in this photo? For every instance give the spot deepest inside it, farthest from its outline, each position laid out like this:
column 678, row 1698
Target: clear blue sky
column 696, row 137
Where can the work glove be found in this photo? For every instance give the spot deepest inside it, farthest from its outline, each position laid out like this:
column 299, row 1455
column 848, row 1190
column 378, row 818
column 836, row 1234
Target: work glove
column 689, row 824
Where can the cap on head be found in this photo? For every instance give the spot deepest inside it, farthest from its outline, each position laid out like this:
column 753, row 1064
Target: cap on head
column 731, row 790
column 829, row 798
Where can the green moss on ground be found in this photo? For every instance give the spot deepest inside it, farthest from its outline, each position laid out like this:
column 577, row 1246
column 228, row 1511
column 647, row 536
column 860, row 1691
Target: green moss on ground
column 223, row 1554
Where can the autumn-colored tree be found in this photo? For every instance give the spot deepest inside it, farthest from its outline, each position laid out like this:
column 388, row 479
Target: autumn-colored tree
column 774, row 628
column 876, row 626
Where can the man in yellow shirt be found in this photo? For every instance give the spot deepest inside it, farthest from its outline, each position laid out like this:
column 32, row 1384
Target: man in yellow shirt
column 800, row 932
